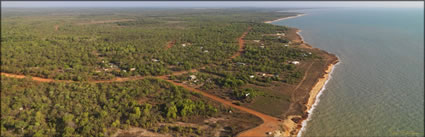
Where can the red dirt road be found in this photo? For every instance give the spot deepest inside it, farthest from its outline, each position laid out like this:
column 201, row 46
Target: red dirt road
column 269, row 123
column 241, row 44
column 39, row 79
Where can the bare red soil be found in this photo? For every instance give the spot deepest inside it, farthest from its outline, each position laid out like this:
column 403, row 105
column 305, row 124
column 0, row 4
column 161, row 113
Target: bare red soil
column 170, row 44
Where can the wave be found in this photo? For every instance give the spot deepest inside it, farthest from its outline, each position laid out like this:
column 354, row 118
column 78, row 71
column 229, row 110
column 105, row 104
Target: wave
column 316, row 102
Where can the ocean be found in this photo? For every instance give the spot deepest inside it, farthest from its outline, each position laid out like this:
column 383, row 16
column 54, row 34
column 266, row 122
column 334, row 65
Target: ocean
column 377, row 89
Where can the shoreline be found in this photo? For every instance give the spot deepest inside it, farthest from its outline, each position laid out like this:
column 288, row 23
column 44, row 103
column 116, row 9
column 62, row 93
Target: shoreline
column 284, row 18
column 315, row 94
column 297, row 128
column 299, row 35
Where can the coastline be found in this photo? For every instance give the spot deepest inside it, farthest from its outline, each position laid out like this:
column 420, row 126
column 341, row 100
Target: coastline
column 284, row 18
column 315, row 94
column 296, row 128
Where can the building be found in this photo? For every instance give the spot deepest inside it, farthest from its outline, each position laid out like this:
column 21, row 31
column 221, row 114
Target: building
column 280, row 34
column 192, row 77
column 132, row 69
column 183, row 45
column 256, row 41
column 252, row 76
column 295, row 62
column 247, row 94
column 155, row 60
column 240, row 63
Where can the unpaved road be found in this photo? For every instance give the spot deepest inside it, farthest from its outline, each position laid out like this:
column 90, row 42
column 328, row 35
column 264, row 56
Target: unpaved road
column 241, row 44
column 269, row 123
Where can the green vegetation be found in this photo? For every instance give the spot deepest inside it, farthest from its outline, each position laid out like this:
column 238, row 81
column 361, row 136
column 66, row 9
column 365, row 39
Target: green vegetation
column 104, row 43
column 83, row 109
column 98, row 44
column 246, row 95
column 264, row 60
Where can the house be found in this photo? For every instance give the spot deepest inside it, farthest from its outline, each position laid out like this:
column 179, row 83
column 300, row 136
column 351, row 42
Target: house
column 132, row 69
column 206, row 51
column 240, row 63
column 263, row 74
column 97, row 71
column 295, row 62
column 247, row 94
column 124, row 70
column 112, row 65
column 192, row 77
column 256, row 41
column 262, row 47
column 202, row 47
column 183, row 45
column 286, row 45
column 252, row 76
column 309, row 53
column 155, row 60
column 280, row 34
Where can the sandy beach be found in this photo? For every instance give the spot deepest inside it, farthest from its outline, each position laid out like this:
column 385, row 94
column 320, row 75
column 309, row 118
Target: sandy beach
column 290, row 17
column 292, row 128
column 315, row 93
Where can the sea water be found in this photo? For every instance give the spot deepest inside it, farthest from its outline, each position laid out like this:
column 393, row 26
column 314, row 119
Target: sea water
column 378, row 88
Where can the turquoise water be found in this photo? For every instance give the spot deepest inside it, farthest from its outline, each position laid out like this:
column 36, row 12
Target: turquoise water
column 378, row 88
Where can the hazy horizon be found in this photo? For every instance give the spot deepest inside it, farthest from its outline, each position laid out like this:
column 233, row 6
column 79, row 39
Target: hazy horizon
column 211, row 4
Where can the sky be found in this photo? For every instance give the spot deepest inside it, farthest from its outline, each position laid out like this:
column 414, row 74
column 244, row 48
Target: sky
column 203, row 4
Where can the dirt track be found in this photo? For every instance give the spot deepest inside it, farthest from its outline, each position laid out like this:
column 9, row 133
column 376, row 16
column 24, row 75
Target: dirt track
column 241, row 44
column 39, row 79
column 269, row 123
column 298, row 86
column 56, row 27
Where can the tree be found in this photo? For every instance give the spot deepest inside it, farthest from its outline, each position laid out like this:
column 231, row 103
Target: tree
column 172, row 111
